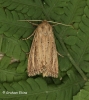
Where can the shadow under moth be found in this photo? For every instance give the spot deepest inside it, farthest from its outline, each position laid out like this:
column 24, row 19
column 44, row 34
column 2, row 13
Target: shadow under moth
column 43, row 53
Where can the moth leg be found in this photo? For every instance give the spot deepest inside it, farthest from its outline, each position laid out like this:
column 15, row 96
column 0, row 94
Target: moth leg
column 27, row 53
column 60, row 54
column 54, row 24
column 29, row 36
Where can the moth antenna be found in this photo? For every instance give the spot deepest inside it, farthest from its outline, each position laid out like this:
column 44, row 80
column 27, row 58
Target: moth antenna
column 61, row 24
column 31, row 20
column 33, row 23
column 55, row 23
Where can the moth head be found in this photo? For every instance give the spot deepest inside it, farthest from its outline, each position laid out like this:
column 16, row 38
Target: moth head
column 45, row 27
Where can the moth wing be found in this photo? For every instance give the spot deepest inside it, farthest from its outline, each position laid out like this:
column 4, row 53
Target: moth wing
column 51, row 57
column 34, row 60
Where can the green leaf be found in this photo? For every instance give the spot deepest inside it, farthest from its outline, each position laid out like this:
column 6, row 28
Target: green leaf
column 34, row 89
column 21, row 67
column 4, row 62
column 71, row 40
column 65, row 64
column 83, row 94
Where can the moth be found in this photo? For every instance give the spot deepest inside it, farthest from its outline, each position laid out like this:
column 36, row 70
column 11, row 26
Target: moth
column 43, row 57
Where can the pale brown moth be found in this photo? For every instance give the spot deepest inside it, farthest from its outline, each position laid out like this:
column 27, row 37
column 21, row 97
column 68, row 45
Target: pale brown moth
column 43, row 57
column 43, row 54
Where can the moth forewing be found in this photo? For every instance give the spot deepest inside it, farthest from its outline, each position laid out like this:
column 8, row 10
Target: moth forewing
column 43, row 54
